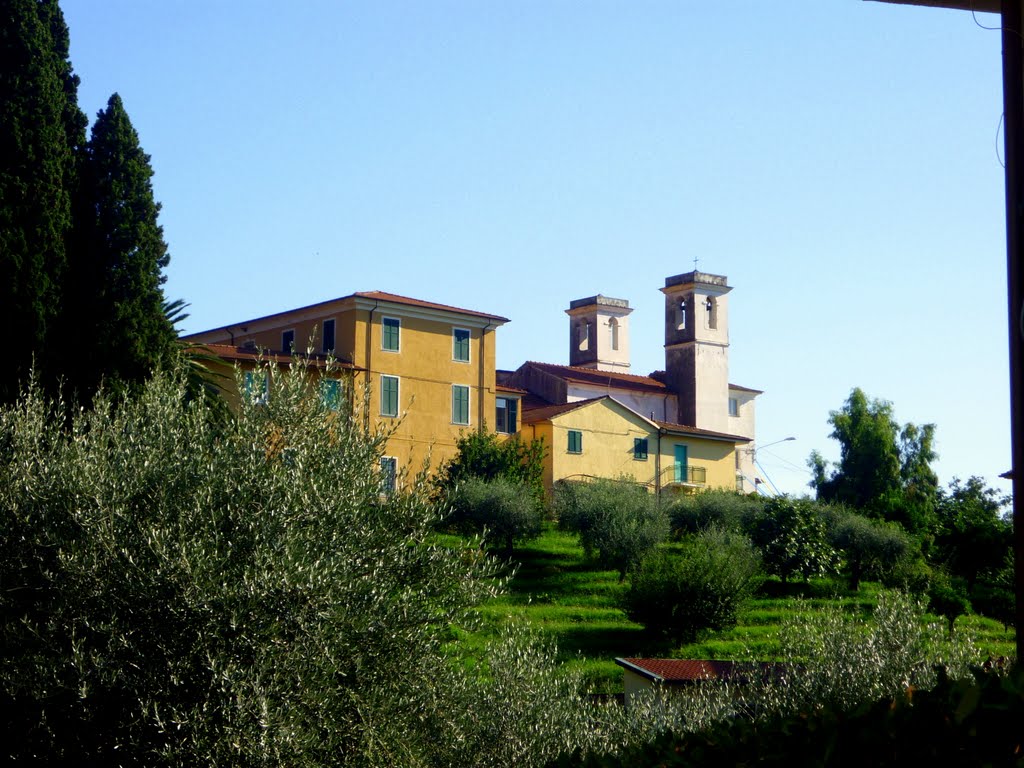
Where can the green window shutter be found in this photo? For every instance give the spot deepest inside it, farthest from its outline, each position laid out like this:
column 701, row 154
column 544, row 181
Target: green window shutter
column 460, row 404
column 388, row 395
column 640, row 448
column 390, row 329
column 330, row 394
column 575, row 441
column 388, row 474
column 460, row 345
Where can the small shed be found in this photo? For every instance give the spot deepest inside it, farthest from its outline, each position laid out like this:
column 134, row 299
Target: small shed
column 640, row 675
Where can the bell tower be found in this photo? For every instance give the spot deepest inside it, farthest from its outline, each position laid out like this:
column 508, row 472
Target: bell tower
column 599, row 333
column 697, row 348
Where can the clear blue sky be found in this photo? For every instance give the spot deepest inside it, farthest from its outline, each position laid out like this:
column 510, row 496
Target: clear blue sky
column 839, row 161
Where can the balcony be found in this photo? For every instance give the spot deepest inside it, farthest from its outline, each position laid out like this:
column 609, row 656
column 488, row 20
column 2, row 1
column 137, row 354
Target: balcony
column 689, row 476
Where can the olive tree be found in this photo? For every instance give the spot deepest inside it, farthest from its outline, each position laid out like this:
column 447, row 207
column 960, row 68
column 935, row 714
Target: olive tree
column 618, row 521
column 703, row 586
column 178, row 592
column 498, row 508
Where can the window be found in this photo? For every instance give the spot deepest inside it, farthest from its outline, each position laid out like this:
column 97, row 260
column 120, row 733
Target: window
column 712, row 307
column 460, row 345
column 681, row 316
column 734, row 406
column 388, row 395
column 287, row 341
column 328, row 337
column 390, row 326
column 613, row 327
column 460, row 404
column 256, row 387
column 330, row 394
column 388, row 474
column 640, row 448
column 506, row 414
column 583, row 336
column 575, row 441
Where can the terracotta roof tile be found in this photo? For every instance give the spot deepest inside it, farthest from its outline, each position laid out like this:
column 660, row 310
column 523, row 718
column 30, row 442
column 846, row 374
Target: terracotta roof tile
column 695, row 670
column 511, row 390
column 533, row 414
column 372, row 295
column 601, row 378
column 698, row 432
column 396, row 299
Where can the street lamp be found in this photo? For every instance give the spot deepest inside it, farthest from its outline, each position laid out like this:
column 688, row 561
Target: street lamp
column 753, row 460
column 754, row 448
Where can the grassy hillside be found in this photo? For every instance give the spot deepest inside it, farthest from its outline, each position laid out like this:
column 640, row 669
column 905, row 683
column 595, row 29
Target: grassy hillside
column 563, row 595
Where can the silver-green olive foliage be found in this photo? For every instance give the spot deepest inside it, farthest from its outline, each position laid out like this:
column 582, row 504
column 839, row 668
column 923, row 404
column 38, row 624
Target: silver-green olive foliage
column 181, row 593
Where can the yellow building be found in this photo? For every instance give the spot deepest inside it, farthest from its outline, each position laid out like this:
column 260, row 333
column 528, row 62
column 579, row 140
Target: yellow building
column 601, row 437
column 430, row 372
column 429, row 368
column 682, row 428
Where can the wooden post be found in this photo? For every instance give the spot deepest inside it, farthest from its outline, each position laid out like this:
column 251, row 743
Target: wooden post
column 1013, row 116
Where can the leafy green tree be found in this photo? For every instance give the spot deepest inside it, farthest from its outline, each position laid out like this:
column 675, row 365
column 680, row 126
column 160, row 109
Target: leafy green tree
column 618, row 521
column 41, row 132
column 703, row 586
column 498, row 508
column 973, row 536
column 793, row 538
column 714, row 507
column 869, row 549
column 179, row 594
column 948, row 598
column 115, row 301
column 484, row 455
column 884, row 469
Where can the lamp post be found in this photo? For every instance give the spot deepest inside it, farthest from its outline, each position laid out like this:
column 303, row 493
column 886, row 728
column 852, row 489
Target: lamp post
column 753, row 460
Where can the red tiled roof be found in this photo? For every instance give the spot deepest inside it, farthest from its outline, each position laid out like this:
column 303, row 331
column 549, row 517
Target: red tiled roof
column 695, row 670
column 396, row 299
column 372, row 295
column 698, row 432
column 511, row 390
column 602, row 378
column 533, row 413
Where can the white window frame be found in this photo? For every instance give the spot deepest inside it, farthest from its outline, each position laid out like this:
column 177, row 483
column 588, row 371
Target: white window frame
column 398, row 347
column 507, row 401
column 388, row 477
column 469, row 345
column 469, row 409
column 398, row 396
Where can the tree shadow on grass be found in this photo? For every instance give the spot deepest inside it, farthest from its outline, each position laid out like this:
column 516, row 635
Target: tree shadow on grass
column 609, row 643
column 813, row 589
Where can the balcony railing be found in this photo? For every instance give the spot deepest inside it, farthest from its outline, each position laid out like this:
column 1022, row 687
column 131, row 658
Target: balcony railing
column 688, row 475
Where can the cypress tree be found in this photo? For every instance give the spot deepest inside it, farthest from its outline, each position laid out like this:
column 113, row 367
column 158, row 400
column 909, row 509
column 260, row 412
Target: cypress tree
column 41, row 130
column 124, row 332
